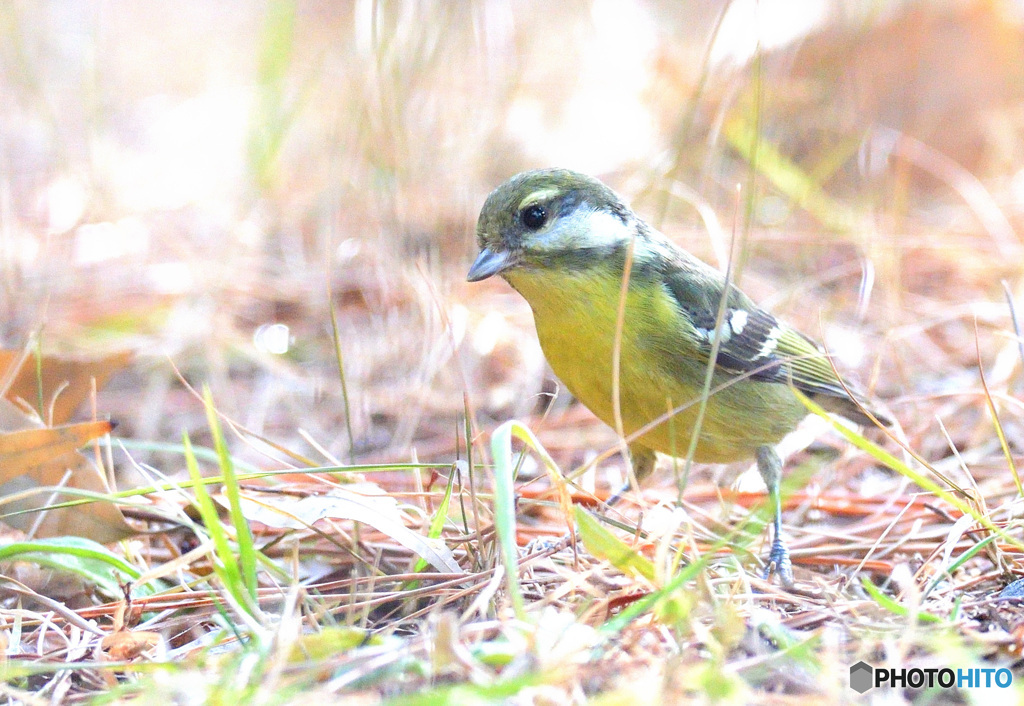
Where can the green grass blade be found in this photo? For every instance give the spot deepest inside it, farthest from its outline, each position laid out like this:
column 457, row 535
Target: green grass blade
column 437, row 522
column 83, row 557
column 651, row 601
column 890, row 461
column 225, row 566
column 243, row 535
column 893, row 607
column 603, row 544
column 505, row 500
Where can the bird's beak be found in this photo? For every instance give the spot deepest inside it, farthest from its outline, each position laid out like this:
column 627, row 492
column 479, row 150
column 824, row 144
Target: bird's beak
column 489, row 263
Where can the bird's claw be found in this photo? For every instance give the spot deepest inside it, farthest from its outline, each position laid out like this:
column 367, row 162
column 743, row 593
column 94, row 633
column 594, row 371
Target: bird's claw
column 547, row 544
column 779, row 563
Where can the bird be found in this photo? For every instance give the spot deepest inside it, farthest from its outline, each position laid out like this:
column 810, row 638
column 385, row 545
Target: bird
column 565, row 241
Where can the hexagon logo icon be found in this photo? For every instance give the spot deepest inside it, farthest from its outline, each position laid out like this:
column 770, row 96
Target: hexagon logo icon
column 861, row 677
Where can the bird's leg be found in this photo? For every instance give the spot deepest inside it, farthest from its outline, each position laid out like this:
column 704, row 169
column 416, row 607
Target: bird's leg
column 643, row 461
column 770, row 466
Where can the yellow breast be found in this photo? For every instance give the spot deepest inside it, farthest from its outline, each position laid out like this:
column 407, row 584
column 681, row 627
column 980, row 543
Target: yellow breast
column 576, row 317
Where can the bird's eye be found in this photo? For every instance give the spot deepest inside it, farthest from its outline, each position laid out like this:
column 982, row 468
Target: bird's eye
column 534, row 217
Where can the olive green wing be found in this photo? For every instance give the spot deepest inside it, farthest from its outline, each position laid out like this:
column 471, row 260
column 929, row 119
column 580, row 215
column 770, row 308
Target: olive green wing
column 752, row 342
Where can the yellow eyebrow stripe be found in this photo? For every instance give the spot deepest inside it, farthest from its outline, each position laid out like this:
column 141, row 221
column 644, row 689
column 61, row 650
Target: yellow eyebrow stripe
column 539, row 195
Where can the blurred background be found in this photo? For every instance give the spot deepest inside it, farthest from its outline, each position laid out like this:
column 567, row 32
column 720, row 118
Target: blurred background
column 194, row 184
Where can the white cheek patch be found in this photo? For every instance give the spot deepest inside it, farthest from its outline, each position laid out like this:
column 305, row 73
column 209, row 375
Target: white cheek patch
column 584, row 228
column 606, row 229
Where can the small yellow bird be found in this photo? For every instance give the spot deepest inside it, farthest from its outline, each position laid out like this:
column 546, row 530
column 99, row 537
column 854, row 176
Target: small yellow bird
column 561, row 239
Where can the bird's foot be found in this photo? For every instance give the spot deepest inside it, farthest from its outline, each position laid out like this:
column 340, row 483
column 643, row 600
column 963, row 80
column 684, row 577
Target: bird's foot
column 779, row 563
column 547, row 544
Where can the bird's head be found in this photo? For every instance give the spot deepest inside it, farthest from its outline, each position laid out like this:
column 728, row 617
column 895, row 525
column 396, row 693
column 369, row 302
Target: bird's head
column 549, row 218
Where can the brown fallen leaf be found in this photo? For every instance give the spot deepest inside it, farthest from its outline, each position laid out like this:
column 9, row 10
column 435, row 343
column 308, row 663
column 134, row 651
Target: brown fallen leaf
column 71, row 376
column 126, row 645
column 123, row 644
column 20, row 451
column 32, row 457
